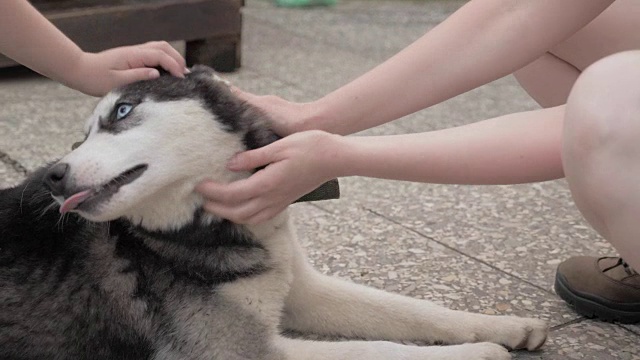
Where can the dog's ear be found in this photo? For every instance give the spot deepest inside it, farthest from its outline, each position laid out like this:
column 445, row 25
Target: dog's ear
column 201, row 70
column 259, row 134
column 248, row 119
column 208, row 74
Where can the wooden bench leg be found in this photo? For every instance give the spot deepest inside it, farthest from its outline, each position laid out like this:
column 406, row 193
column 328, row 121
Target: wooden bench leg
column 221, row 53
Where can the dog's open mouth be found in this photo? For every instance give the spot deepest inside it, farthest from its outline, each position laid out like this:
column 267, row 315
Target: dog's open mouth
column 90, row 197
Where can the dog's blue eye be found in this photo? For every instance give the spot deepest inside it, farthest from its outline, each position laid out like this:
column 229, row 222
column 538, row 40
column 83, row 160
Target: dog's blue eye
column 123, row 110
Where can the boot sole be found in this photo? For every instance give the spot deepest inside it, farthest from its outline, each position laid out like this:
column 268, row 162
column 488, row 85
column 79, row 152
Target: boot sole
column 593, row 306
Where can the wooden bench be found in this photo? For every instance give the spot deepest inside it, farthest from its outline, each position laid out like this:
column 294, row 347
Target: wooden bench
column 210, row 28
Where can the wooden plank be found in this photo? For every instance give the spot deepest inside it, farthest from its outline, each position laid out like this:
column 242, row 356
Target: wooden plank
column 99, row 28
column 221, row 53
column 133, row 24
column 48, row 6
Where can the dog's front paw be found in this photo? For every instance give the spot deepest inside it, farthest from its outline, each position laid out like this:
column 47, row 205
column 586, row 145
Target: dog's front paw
column 518, row 333
column 478, row 351
column 489, row 351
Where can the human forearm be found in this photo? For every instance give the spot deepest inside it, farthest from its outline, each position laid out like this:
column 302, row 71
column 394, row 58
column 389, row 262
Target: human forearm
column 30, row 39
column 481, row 42
column 515, row 148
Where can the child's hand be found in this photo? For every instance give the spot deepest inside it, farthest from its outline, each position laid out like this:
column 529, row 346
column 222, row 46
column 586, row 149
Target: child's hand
column 97, row 74
column 286, row 117
column 295, row 165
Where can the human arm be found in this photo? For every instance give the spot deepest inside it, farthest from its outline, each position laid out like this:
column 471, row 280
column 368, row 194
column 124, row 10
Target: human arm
column 515, row 148
column 30, row 39
column 482, row 41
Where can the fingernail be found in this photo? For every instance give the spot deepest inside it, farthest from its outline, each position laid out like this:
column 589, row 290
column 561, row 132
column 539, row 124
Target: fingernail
column 153, row 73
column 187, row 71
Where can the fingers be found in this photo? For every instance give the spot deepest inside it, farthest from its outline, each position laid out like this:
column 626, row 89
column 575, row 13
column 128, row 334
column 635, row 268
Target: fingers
column 235, row 192
column 138, row 74
column 236, row 214
column 239, row 201
column 252, row 159
column 169, row 50
column 279, row 110
column 151, row 57
column 265, row 215
column 250, row 213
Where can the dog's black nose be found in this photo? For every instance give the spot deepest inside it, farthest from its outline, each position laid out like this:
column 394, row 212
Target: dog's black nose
column 56, row 178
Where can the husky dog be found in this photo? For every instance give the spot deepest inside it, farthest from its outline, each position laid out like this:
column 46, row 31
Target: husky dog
column 137, row 270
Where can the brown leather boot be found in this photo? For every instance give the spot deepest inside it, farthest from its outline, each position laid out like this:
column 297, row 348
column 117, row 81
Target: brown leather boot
column 606, row 288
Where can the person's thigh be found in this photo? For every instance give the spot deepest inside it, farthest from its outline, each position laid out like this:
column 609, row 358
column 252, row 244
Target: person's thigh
column 601, row 150
column 550, row 78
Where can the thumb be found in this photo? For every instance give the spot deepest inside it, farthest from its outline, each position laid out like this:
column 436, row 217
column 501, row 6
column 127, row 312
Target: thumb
column 251, row 159
column 132, row 75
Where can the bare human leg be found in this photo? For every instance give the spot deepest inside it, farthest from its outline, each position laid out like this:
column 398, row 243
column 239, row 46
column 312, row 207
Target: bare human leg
column 598, row 161
column 549, row 79
column 601, row 160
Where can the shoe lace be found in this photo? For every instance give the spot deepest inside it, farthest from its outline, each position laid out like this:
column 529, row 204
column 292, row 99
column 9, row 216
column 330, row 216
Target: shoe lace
column 628, row 269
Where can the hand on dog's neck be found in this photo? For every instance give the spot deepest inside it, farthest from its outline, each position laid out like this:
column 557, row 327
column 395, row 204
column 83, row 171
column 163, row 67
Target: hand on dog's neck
column 181, row 207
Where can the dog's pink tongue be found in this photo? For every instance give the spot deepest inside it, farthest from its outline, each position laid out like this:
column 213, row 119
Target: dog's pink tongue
column 74, row 200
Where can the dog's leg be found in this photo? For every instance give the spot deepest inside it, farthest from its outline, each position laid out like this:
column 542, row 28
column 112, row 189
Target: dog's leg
column 382, row 350
column 324, row 305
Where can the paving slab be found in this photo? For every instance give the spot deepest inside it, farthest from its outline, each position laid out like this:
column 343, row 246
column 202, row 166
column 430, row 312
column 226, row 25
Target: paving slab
column 341, row 27
column 633, row 328
column 35, row 132
column 371, row 250
column 20, row 84
column 318, row 69
column 524, row 230
column 589, row 340
column 9, row 176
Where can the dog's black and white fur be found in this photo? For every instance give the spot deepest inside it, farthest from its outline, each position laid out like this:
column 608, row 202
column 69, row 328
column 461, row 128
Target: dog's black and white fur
column 138, row 271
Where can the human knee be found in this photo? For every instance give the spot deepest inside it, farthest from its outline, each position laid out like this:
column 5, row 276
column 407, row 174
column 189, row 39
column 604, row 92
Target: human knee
column 603, row 109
